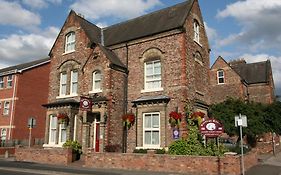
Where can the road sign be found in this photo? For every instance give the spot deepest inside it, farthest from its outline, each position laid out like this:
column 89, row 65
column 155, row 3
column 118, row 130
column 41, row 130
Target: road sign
column 241, row 120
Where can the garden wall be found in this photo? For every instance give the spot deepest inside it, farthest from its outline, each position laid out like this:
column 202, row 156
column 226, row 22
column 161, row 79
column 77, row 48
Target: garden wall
column 56, row 156
column 9, row 150
column 203, row 165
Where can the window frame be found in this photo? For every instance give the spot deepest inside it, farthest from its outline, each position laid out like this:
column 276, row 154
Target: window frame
column 62, row 84
column 220, row 77
column 151, row 130
column 70, row 42
column 2, row 82
column 159, row 80
column 6, row 108
column 53, row 129
column 196, row 30
column 72, row 83
column 10, row 81
column 95, row 80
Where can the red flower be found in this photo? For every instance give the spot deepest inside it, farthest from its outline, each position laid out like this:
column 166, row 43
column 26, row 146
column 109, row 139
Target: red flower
column 128, row 119
column 175, row 115
column 61, row 116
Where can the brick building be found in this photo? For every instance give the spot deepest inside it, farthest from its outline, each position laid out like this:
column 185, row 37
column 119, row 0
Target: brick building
column 23, row 88
column 148, row 66
column 238, row 79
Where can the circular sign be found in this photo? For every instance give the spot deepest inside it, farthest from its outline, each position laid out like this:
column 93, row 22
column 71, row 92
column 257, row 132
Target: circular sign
column 211, row 128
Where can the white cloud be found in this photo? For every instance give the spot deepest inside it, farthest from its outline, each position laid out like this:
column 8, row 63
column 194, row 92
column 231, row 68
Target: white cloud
column 124, row 9
column 12, row 13
column 260, row 24
column 20, row 48
column 40, row 3
column 275, row 64
column 211, row 32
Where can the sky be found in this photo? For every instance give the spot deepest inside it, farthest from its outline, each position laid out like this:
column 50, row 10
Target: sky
column 249, row 29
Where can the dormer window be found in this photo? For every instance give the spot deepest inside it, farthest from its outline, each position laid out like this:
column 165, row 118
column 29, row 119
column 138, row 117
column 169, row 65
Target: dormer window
column 220, row 76
column 196, row 29
column 70, row 42
column 10, row 81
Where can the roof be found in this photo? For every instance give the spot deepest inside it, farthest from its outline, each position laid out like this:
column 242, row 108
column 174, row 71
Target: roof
column 92, row 31
column 24, row 66
column 150, row 24
column 67, row 102
column 254, row 72
column 146, row 99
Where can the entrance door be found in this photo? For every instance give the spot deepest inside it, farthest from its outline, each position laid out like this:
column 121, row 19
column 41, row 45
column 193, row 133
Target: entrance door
column 96, row 140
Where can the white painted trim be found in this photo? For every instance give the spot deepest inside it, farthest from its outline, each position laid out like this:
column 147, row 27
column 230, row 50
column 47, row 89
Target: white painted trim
column 71, row 83
column 143, row 131
column 7, row 126
column 67, row 96
column 151, row 90
column 75, row 128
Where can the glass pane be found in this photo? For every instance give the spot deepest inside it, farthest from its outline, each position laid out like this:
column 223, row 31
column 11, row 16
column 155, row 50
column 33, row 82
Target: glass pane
column 155, row 138
column 53, row 135
column 97, row 76
column 221, row 80
column 63, row 78
column 147, row 137
column 220, row 74
column 74, row 88
column 63, row 90
column 74, row 76
column 147, row 121
column 97, row 85
column 63, row 135
column 155, row 121
column 53, row 123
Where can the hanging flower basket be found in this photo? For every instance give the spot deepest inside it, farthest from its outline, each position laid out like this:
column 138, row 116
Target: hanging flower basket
column 63, row 118
column 175, row 119
column 196, row 118
column 128, row 120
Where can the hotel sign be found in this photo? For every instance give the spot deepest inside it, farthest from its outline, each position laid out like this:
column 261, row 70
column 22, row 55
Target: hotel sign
column 211, row 128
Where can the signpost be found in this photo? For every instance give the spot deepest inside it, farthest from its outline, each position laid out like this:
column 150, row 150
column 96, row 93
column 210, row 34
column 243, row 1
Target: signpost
column 211, row 128
column 30, row 124
column 241, row 121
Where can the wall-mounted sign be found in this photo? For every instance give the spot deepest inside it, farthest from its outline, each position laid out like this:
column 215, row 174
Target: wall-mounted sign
column 211, row 128
column 31, row 122
column 85, row 103
column 176, row 133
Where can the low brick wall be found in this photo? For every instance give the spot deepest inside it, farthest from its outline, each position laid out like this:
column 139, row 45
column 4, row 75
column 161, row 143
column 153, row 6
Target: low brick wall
column 56, row 156
column 203, row 165
column 11, row 151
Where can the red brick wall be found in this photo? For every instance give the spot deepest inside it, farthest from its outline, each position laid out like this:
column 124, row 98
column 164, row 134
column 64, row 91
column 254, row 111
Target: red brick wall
column 202, row 165
column 32, row 92
column 260, row 93
column 57, row 156
column 11, row 151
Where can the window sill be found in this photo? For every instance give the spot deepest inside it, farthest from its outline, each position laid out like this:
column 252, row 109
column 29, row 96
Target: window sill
column 199, row 62
column 221, row 83
column 65, row 53
column 95, row 91
column 197, row 43
column 52, row 145
column 149, row 147
column 151, row 90
column 66, row 96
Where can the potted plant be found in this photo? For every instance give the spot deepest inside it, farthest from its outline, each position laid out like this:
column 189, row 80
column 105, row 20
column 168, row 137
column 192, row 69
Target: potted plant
column 76, row 148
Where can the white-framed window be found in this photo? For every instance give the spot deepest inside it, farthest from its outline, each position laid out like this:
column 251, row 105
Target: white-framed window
column 63, row 83
column 151, row 130
column 10, row 81
column 70, row 42
column 152, row 75
column 3, row 136
column 196, row 28
column 220, row 76
column 62, row 133
column 74, row 82
column 53, row 129
column 1, row 82
column 97, row 78
column 6, row 109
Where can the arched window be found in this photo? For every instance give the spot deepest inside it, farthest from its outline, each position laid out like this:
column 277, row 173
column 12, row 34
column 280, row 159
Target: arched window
column 70, row 42
column 220, row 76
column 196, row 28
column 97, row 78
column 198, row 58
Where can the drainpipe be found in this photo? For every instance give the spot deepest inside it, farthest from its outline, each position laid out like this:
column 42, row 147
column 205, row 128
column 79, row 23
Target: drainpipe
column 12, row 110
column 125, row 99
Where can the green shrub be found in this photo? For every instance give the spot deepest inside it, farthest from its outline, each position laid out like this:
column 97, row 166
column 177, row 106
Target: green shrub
column 142, row 151
column 74, row 145
column 160, row 151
